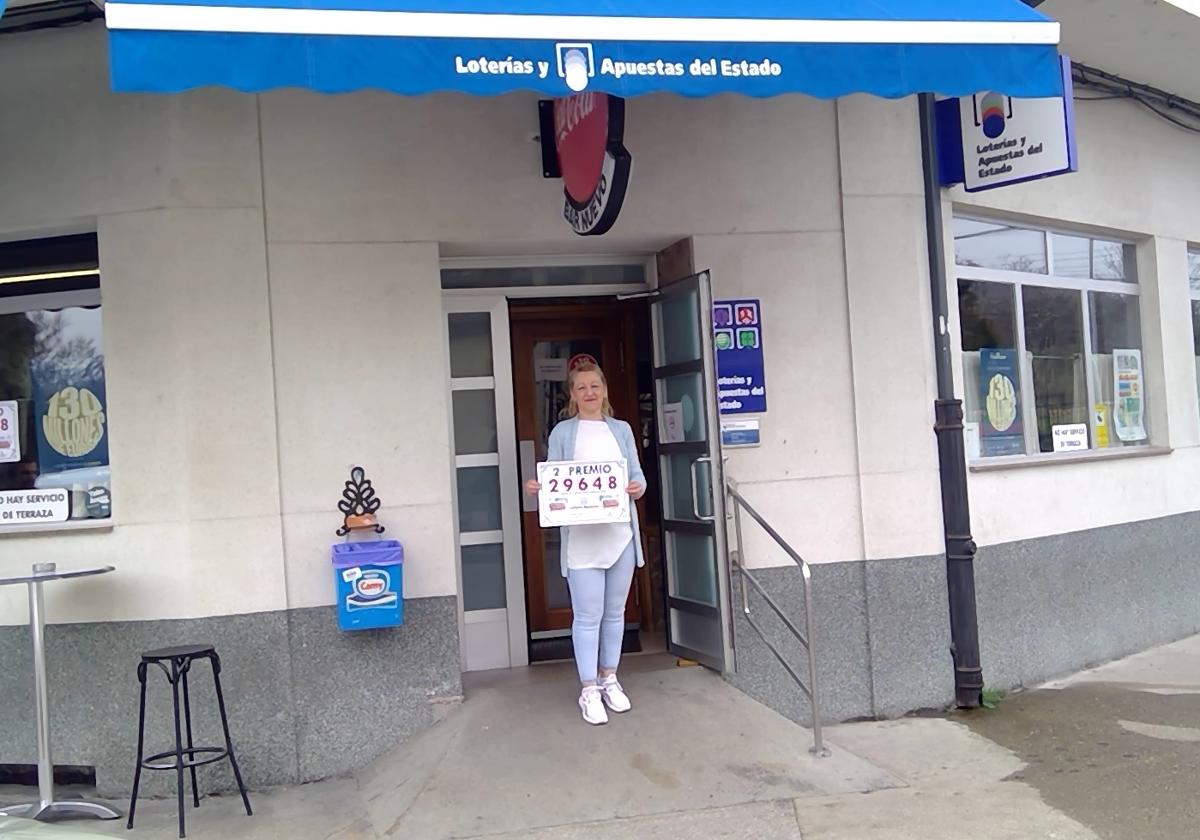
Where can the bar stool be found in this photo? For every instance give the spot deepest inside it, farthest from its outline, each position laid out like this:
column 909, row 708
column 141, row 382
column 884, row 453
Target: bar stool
column 191, row 756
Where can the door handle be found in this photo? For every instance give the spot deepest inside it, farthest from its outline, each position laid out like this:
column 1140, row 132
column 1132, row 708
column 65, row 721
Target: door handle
column 703, row 459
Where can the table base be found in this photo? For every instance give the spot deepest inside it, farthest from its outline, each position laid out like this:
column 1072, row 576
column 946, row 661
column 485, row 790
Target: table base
column 60, row 810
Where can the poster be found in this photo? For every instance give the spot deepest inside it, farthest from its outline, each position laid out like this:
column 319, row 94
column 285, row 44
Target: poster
column 69, row 402
column 582, row 492
column 1128, row 395
column 672, row 427
column 10, row 435
column 738, row 338
column 1001, row 431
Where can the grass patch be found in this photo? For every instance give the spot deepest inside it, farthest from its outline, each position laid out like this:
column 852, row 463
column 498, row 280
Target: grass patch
column 992, row 697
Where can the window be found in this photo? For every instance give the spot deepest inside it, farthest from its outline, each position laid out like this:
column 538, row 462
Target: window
column 53, row 408
column 1194, row 288
column 1051, row 340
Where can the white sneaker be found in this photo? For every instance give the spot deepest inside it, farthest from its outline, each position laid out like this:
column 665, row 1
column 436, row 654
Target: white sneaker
column 614, row 696
column 592, row 706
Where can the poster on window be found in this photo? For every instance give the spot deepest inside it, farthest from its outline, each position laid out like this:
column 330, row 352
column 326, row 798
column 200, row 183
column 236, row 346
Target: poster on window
column 70, row 407
column 10, row 438
column 1128, row 396
column 582, row 493
column 1001, row 431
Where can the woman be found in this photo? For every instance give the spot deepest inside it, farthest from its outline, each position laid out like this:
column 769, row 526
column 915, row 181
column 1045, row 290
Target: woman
column 598, row 560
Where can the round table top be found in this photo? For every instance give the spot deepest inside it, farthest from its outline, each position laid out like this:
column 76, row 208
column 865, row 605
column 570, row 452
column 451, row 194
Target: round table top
column 55, row 574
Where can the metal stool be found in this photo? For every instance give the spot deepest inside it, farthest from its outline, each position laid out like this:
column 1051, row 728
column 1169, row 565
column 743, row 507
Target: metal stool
column 189, row 757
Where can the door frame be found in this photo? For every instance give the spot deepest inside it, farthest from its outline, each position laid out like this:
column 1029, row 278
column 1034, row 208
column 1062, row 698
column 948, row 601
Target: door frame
column 494, row 300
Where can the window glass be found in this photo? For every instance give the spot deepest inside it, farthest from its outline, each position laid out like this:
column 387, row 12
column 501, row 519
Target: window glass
column 470, row 344
column 1054, row 348
column 1072, row 255
column 1117, row 370
column 994, row 245
column 1072, row 377
column 1194, row 269
column 987, row 312
column 1113, row 261
column 54, row 458
column 555, row 275
column 1196, row 341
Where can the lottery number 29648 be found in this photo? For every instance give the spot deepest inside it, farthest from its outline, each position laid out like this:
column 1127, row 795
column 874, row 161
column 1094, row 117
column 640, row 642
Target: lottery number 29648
column 582, row 492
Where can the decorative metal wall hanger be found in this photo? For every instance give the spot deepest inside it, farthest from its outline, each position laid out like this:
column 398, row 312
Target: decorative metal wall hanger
column 359, row 505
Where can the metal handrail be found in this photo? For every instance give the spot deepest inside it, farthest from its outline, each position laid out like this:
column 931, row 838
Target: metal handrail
column 811, row 690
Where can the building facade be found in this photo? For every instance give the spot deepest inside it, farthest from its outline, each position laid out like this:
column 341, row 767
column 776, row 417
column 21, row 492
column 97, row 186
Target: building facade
column 293, row 284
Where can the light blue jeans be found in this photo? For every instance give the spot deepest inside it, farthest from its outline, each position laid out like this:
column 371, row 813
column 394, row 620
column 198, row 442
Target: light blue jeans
column 598, row 599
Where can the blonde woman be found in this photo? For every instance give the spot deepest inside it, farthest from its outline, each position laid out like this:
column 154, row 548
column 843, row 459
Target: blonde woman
column 598, row 560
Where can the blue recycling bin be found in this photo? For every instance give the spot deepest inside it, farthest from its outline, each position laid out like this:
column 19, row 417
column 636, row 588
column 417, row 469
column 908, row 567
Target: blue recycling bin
column 370, row 584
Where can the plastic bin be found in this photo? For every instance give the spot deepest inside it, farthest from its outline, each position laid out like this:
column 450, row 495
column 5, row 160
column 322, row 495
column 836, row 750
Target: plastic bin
column 370, row 584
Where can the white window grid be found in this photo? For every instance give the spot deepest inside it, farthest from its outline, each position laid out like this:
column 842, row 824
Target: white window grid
column 1018, row 280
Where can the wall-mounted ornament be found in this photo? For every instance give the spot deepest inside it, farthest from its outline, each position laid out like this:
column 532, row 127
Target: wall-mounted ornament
column 359, row 505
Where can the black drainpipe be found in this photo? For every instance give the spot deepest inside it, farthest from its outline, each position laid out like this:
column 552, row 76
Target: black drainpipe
column 952, row 456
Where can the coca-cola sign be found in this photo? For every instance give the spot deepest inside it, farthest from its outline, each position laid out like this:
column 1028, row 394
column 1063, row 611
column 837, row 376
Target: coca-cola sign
column 589, row 133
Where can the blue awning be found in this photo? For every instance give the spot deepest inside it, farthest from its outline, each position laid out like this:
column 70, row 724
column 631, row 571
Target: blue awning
column 823, row 48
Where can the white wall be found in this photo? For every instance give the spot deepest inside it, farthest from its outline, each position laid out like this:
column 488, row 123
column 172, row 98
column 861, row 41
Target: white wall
column 1138, row 176
column 173, row 190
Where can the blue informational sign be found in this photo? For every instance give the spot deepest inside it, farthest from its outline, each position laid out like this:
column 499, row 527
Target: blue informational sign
column 70, row 415
column 738, row 338
column 1000, row 429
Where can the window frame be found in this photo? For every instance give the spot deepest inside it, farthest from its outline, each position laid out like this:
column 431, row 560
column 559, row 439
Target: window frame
column 1017, row 281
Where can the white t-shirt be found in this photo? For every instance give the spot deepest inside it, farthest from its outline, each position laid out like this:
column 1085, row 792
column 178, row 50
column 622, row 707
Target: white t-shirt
column 597, row 546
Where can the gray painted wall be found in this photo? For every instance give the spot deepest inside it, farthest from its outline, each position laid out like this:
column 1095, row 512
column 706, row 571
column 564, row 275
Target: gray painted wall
column 1047, row 607
column 305, row 700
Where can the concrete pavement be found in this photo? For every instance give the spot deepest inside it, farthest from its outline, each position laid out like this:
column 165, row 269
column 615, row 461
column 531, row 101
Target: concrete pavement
column 697, row 758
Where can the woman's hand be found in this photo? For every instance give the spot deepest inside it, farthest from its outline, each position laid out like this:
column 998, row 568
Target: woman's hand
column 532, row 487
column 635, row 489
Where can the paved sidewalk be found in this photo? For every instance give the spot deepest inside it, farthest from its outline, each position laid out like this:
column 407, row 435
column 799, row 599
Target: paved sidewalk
column 1109, row 753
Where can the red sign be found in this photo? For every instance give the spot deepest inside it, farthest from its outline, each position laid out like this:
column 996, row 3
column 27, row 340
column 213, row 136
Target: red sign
column 581, row 359
column 589, row 133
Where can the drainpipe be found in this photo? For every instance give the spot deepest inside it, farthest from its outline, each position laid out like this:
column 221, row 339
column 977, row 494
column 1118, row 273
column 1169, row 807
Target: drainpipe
column 952, row 456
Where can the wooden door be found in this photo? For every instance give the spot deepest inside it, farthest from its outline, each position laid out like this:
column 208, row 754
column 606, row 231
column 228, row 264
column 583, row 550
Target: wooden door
column 545, row 339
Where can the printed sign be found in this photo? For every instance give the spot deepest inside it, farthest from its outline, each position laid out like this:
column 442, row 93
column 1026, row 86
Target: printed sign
column 589, row 135
column 1071, row 437
column 1128, row 395
column 10, row 437
column 550, row 370
column 32, row 507
column 582, row 492
column 991, row 140
column 576, row 64
column 372, row 590
column 1001, row 431
column 672, row 423
column 740, row 433
column 738, row 338
column 1101, row 421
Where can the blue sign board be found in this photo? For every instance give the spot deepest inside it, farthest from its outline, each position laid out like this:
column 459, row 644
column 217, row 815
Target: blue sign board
column 1001, row 431
column 738, row 338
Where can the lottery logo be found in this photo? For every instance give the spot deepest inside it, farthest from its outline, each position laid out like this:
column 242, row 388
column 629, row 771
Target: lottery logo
column 993, row 114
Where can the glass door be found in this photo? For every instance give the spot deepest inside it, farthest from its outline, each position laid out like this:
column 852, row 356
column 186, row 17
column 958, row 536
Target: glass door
column 693, row 497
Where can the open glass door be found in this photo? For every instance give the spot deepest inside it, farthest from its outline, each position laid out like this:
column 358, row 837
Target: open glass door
column 693, row 498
